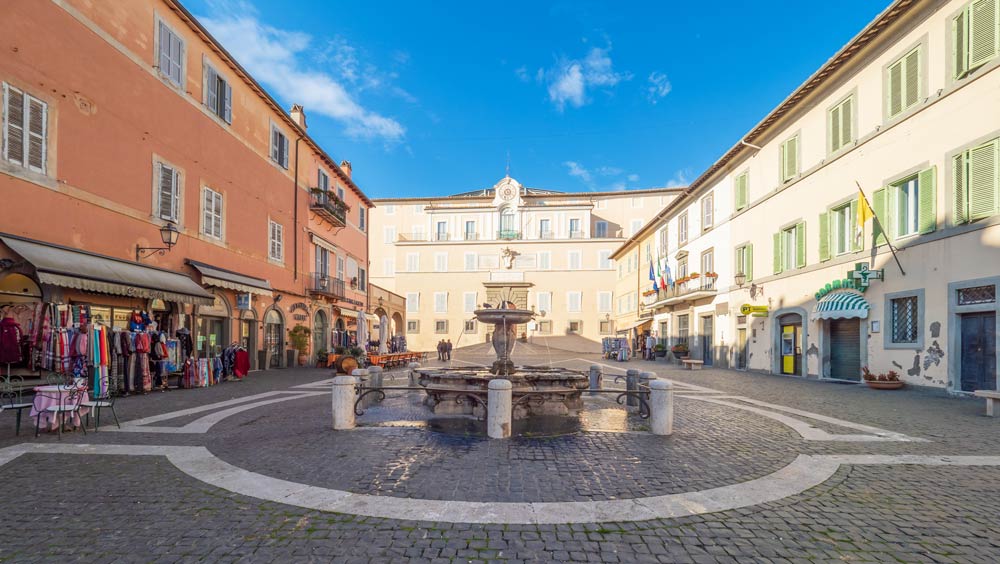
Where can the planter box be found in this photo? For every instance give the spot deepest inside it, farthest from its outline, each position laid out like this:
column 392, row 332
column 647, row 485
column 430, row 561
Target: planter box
column 884, row 385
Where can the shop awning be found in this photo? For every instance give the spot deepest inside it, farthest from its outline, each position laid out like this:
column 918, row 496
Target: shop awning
column 842, row 305
column 633, row 325
column 222, row 278
column 348, row 313
column 80, row 270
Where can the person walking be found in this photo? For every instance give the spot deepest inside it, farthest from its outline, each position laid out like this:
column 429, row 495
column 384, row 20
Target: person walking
column 440, row 348
column 447, row 350
column 650, row 344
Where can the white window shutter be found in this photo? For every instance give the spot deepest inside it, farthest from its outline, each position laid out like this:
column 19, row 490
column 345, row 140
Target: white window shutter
column 14, row 125
column 274, row 144
column 227, row 102
column 217, row 217
column 284, row 151
column 164, row 49
column 206, row 216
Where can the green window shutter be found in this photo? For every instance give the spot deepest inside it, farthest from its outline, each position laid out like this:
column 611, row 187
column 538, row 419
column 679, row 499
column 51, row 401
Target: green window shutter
column 895, row 88
column 959, row 189
column 800, row 245
column 824, row 236
column 927, row 215
column 983, row 24
column 748, row 260
column 960, row 46
column 793, row 156
column 784, row 160
column 878, row 207
column 983, row 180
column 856, row 242
column 834, row 129
column 846, row 117
column 911, row 78
column 777, row 252
column 741, row 191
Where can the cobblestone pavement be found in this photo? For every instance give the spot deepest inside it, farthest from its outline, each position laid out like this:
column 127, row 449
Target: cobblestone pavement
column 142, row 508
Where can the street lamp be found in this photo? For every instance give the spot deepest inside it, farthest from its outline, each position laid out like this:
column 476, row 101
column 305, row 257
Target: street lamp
column 740, row 279
column 168, row 234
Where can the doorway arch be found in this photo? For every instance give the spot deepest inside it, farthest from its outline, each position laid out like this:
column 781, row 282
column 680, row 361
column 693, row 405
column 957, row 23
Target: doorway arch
column 790, row 341
column 397, row 324
column 274, row 338
column 321, row 325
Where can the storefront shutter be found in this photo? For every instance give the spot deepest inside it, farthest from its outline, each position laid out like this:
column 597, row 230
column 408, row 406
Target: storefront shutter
column 800, row 245
column 927, row 215
column 14, row 123
column 824, row 236
column 777, row 252
column 878, row 207
column 959, row 191
column 911, row 79
column 960, row 48
column 983, row 180
column 983, row 24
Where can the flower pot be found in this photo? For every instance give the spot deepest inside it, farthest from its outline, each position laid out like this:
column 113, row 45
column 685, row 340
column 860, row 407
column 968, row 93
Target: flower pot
column 660, row 354
column 303, row 359
column 876, row 385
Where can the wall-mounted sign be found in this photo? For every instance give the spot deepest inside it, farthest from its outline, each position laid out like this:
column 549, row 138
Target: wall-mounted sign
column 747, row 309
column 243, row 301
column 299, row 306
column 857, row 279
column 300, row 317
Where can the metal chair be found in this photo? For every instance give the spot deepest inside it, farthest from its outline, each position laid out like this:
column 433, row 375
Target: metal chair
column 11, row 399
column 55, row 379
column 68, row 401
column 104, row 401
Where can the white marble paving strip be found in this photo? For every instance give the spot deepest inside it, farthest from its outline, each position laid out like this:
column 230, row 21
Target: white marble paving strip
column 834, row 420
column 321, row 384
column 201, row 408
column 203, row 424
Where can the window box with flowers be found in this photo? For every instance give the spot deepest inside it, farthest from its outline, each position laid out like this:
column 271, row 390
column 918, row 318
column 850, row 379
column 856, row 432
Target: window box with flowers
column 886, row 381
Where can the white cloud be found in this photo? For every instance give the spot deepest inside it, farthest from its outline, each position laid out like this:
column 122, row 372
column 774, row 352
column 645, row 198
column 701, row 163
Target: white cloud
column 633, row 178
column 281, row 60
column 608, row 170
column 578, row 171
column 680, row 180
column 603, row 178
column 658, row 87
column 522, row 73
column 570, row 79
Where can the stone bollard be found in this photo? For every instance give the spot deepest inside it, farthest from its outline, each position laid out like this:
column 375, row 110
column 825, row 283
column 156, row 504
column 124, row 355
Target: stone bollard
column 364, row 379
column 631, row 385
column 661, row 405
column 644, row 379
column 414, row 377
column 499, row 411
column 376, row 374
column 343, row 402
column 596, row 379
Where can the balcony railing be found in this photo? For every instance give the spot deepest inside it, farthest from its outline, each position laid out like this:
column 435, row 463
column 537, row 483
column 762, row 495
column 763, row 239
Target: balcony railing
column 404, row 237
column 576, row 234
column 320, row 283
column 329, row 206
column 546, row 235
column 508, row 234
column 683, row 291
column 441, row 237
column 471, row 236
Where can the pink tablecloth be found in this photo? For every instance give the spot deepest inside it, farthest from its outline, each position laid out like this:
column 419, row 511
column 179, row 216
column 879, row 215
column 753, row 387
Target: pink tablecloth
column 46, row 397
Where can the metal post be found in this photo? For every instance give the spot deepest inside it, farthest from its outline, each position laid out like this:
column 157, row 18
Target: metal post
column 632, row 385
column 596, row 379
column 343, row 402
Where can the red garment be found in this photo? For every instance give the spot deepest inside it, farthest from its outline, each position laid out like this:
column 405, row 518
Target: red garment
column 10, row 341
column 241, row 366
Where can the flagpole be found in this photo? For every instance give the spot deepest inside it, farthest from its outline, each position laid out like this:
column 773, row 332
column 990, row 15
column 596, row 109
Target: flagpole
column 881, row 228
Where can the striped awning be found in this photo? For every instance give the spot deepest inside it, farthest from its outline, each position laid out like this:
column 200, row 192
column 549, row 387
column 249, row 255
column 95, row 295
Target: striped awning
column 842, row 305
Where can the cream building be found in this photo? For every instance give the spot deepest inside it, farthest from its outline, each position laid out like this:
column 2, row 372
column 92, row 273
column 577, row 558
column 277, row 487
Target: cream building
column 909, row 111
column 541, row 249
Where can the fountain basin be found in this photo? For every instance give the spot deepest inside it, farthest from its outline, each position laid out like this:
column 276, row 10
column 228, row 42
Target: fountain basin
column 537, row 390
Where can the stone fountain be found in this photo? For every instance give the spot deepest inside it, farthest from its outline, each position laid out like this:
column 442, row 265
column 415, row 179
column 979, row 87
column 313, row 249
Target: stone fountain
column 536, row 390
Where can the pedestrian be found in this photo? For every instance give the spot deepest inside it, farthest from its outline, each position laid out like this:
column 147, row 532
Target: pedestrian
column 650, row 344
column 441, row 349
column 447, row 350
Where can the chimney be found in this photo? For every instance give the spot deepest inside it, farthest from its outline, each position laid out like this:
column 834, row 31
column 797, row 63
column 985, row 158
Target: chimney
column 346, row 167
column 299, row 116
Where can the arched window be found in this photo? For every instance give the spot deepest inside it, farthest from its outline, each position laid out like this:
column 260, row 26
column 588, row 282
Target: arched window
column 507, row 218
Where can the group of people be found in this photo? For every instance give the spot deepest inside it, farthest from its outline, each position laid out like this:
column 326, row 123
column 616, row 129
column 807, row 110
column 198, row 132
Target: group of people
column 648, row 345
column 444, row 349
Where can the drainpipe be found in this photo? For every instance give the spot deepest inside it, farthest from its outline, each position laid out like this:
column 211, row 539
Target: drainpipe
column 295, row 213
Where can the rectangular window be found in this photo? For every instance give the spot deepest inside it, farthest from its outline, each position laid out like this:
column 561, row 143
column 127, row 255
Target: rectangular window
column 843, row 229
column 908, row 207
column 276, row 248
column 545, row 229
column 635, row 226
column 601, row 229
column 389, row 267
column 440, row 302
column 975, row 36
column 708, row 262
column 545, row 260
column 412, row 326
column 470, row 231
column 440, row 326
column 322, row 261
column 168, row 192
column 604, row 260
column 470, row 261
column 790, row 159
column 412, row 262
column 744, row 261
column 606, row 327
column 412, row 302
column 440, row 262
column 977, row 295
column 574, row 260
column 840, row 125
column 573, row 302
column 469, row 301
column 211, row 223
column 470, row 326
column 975, row 187
column 25, row 129
column 390, row 209
column 904, row 319
column 574, row 229
column 218, row 95
column 362, row 218
column 707, row 212
column 662, row 242
column 636, row 202
column 340, row 268
column 322, row 180
column 682, row 268
column 790, row 248
column 390, row 235
column 741, row 185
column 171, row 56
column 544, row 302
column 545, row 327
column 575, row 326
column 363, row 280
column 903, row 82
column 441, row 231
column 279, row 147
column 604, row 302
column 682, row 229
column 682, row 329
column 340, row 189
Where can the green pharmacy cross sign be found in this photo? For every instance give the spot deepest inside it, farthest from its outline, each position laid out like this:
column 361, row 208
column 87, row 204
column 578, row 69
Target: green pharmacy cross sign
column 857, row 279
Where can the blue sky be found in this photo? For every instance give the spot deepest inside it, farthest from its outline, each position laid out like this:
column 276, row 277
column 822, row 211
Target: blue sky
column 428, row 98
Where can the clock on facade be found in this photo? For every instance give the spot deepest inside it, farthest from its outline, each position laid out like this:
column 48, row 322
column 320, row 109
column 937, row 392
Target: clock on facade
column 507, row 193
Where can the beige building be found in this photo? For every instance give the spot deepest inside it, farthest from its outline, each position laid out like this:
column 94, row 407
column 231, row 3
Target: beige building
column 541, row 249
column 909, row 111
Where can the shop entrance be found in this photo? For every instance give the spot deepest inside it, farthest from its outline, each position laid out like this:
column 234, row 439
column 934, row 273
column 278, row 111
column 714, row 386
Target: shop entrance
column 707, row 347
column 248, row 340
column 320, row 328
column 741, row 348
column 791, row 343
column 979, row 353
column 273, row 338
column 845, row 349
column 211, row 338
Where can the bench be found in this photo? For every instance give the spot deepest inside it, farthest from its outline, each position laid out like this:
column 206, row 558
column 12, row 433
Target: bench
column 991, row 398
column 692, row 364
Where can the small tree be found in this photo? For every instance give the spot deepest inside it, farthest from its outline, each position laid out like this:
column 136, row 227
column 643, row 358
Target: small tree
column 299, row 335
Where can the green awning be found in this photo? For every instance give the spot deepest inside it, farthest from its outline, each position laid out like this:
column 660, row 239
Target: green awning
column 842, row 305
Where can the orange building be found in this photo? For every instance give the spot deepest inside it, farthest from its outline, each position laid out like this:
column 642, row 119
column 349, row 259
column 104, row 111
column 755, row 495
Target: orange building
column 122, row 124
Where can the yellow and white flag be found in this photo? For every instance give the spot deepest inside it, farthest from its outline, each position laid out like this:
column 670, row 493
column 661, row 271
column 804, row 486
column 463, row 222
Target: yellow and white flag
column 864, row 211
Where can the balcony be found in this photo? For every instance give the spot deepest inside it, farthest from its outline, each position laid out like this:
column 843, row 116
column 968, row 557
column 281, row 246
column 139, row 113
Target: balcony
column 471, row 236
column 411, row 237
column 327, row 285
column 546, row 235
column 442, row 237
column 329, row 206
column 508, row 235
column 686, row 291
column 576, row 234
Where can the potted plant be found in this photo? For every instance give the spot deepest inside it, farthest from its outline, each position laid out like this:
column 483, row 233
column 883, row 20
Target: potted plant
column 711, row 275
column 299, row 335
column 680, row 350
column 321, row 357
column 886, row 381
column 659, row 350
